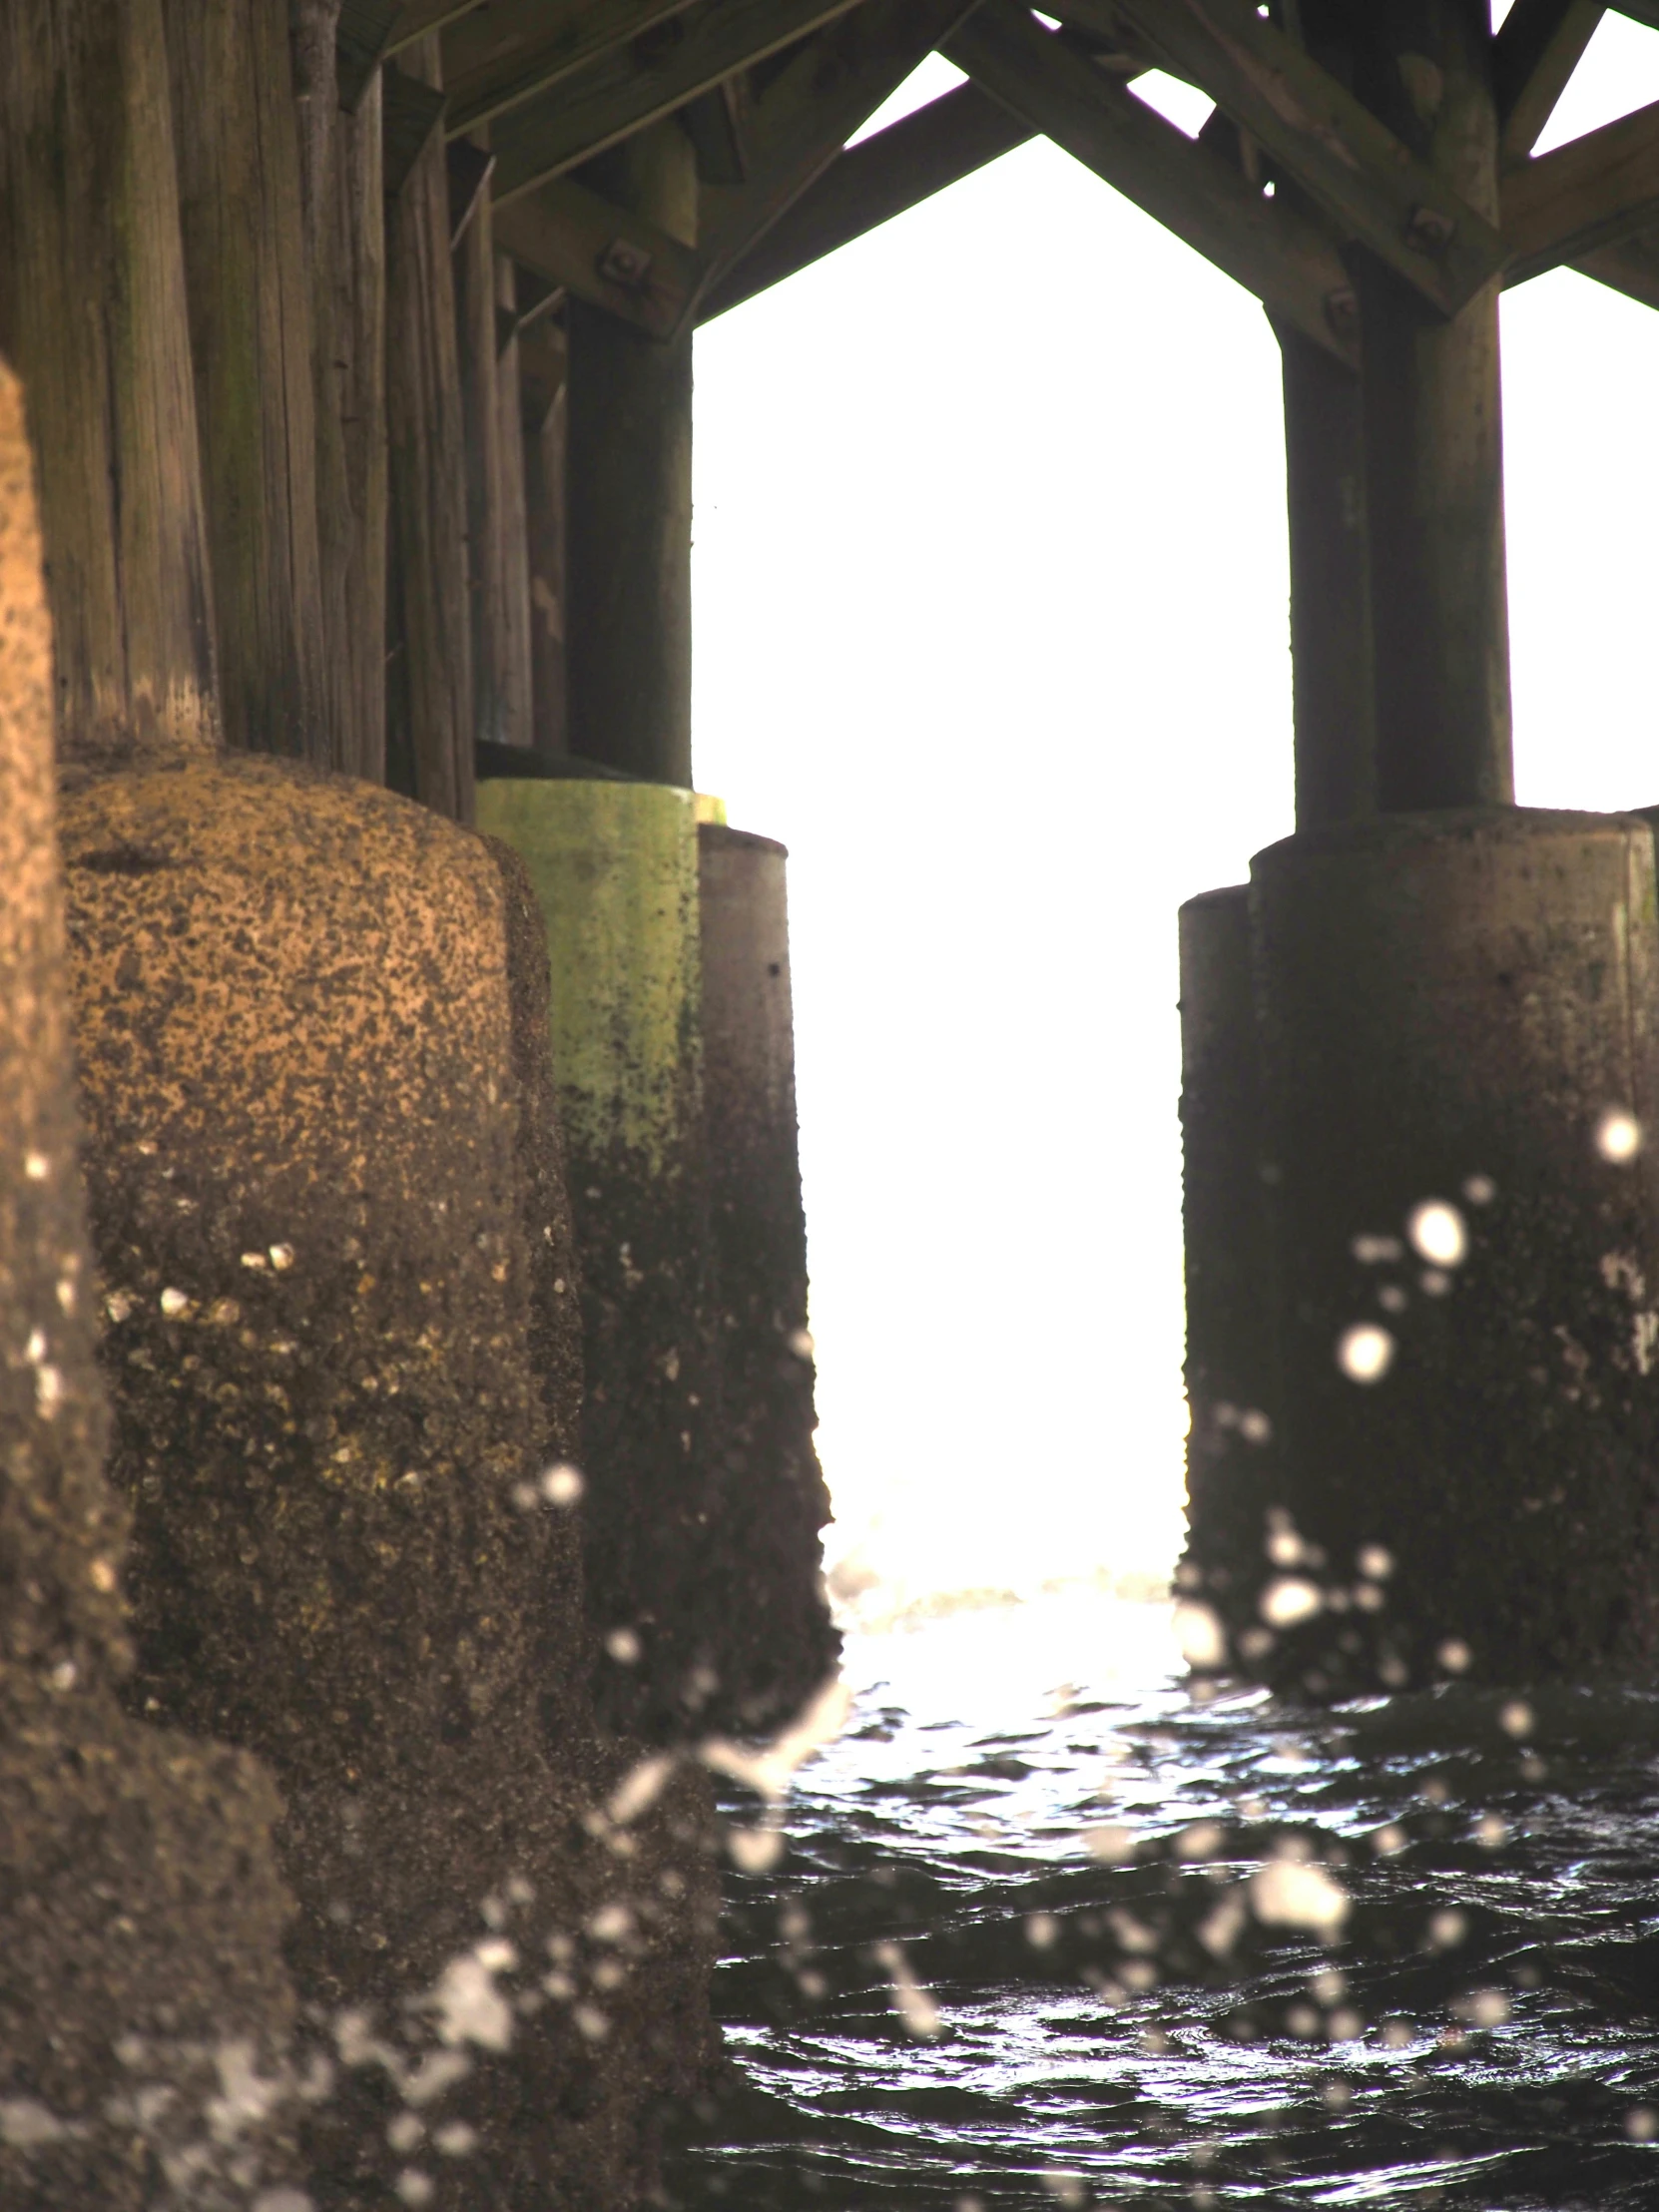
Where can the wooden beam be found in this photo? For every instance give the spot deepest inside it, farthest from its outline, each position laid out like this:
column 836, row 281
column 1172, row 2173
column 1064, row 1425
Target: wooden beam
column 514, row 50
column 613, row 98
column 1288, row 265
column 1371, row 184
column 810, row 110
column 602, row 254
column 1594, row 192
column 361, row 35
column 872, row 182
column 717, row 126
column 1639, row 11
column 417, row 19
column 410, row 111
column 1632, row 267
column 470, row 168
column 1536, row 49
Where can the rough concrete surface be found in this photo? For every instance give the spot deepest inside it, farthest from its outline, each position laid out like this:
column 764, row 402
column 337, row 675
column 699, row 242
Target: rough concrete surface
column 781, row 1642
column 315, row 1183
column 144, row 2010
column 614, row 866
column 1451, row 1006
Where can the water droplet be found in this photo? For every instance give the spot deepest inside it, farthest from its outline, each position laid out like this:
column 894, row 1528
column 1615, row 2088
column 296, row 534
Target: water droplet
column 1365, row 1353
column 1618, row 1136
column 1438, row 1233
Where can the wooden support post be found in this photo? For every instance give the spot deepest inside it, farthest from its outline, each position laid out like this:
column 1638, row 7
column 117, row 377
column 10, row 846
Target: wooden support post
column 629, row 489
column 315, row 26
column 517, row 703
column 89, row 215
column 544, row 519
column 140, row 1898
column 1330, row 621
column 250, row 340
column 481, row 407
column 345, row 252
column 429, row 709
column 358, row 363
column 1330, row 634
column 1434, row 437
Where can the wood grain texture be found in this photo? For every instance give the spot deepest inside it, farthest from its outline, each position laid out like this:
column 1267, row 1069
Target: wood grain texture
column 628, row 637
column 500, row 56
column 1331, row 624
column 1534, row 52
column 249, row 302
column 871, row 183
column 819, row 97
column 1593, row 191
column 623, row 90
column 315, row 26
column 429, row 712
column 518, row 708
column 1373, row 186
column 92, row 314
column 544, row 502
column 612, row 258
column 487, row 587
column 1434, row 442
column 1288, row 264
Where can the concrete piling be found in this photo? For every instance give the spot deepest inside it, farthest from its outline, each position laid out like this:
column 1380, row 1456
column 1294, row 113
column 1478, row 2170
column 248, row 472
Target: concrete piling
column 329, row 1236
column 614, row 866
column 1233, row 1391
column 773, row 1499
column 1457, row 1016
column 144, row 2013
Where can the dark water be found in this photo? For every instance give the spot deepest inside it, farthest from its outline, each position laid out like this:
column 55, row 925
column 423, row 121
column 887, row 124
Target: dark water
column 1475, row 2023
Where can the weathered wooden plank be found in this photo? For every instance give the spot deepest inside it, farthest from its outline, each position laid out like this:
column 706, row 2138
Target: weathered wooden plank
column 1591, row 193
column 411, row 112
column 1631, row 267
column 1347, row 160
column 1536, row 49
column 819, row 97
column 488, row 576
column 617, row 96
column 88, row 213
column 418, row 19
column 357, row 626
column 362, row 31
column 605, row 255
column 869, row 184
column 249, row 303
column 543, row 365
column 1639, row 11
column 513, row 50
column 346, row 224
column 314, row 28
column 1279, row 257
column 429, row 735
column 716, row 122
column 515, row 678
column 1433, row 421
column 544, row 502
column 628, row 487
column 470, row 168
column 1331, row 623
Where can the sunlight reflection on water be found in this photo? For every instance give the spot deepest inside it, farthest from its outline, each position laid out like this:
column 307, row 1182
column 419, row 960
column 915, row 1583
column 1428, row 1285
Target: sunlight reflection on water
column 1478, row 2031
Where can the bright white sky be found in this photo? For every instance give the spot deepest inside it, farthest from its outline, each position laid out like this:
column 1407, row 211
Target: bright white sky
column 991, row 630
